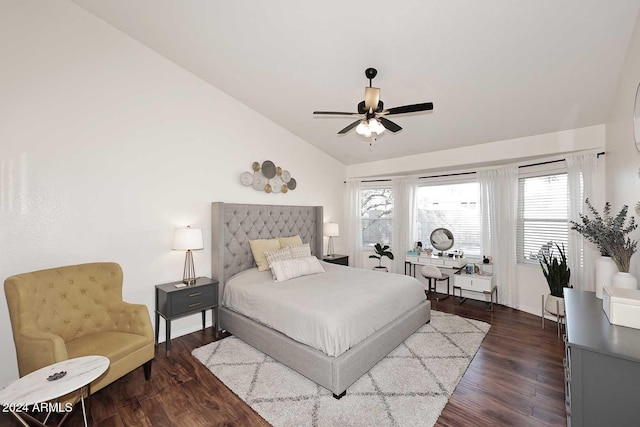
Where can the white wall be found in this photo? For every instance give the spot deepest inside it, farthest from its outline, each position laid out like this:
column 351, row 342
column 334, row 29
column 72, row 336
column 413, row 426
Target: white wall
column 623, row 159
column 532, row 283
column 491, row 153
column 105, row 147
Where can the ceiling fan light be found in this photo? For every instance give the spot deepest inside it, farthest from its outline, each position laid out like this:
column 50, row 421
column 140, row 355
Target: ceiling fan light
column 363, row 128
column 376, row 126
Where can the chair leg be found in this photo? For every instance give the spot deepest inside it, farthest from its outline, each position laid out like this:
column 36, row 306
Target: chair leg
column 147, row 370
column 448, row 290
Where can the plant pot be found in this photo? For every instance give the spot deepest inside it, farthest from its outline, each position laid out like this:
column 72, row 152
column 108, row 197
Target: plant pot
column 624, row 280
column 605, row 269
column 381, row 269
column 554, row 305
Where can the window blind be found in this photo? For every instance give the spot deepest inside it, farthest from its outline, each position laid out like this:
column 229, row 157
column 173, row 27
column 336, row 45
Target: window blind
column 543, row 207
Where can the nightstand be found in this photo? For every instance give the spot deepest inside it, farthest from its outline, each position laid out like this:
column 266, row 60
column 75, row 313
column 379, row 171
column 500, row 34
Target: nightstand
column 337, row 259
column 174, row 302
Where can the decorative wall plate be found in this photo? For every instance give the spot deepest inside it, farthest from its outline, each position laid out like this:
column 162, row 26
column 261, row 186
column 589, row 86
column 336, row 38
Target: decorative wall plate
column 268, row 169
column 259, row 181
column 269, row 178
column 276, row 184
column 246, row 178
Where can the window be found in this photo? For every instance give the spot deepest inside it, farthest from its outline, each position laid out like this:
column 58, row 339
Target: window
column 543, row 207
column 377, row 215
column 453, row 206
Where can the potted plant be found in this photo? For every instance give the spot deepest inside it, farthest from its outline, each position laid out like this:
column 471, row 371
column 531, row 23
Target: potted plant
column 610, row 235
column 381, row 251
column 622, row 249
column 557, row 273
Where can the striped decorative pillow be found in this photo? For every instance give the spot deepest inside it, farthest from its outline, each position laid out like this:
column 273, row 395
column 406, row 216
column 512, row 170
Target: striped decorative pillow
column 292, row 268
column 277, row 255
column 299, row 251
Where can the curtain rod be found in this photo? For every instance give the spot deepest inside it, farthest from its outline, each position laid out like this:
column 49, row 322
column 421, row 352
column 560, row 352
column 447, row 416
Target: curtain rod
column 602, row 153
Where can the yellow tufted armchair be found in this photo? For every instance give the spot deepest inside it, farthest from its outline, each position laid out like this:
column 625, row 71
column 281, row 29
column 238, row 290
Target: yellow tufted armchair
column 74, row 311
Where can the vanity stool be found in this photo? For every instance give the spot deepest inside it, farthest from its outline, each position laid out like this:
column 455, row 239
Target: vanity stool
column 433, row 276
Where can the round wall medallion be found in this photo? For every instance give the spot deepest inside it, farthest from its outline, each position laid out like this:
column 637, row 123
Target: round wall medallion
column 255, row 166
column 246, row 178
column 286, row 176
column 268, row 169
column 259, row 181
column 292, row 184
column 267, row 188
column 276, row 184
column 285, row 188
column 278, row 170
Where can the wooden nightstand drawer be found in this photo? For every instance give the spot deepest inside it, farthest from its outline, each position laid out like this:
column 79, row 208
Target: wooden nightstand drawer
column 193, row 299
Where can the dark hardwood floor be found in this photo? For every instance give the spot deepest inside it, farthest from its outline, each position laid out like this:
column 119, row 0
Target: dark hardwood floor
column 516, row 378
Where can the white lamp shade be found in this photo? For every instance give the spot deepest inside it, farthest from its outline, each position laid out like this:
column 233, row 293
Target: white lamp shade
column 185, row 239
column 331, row 229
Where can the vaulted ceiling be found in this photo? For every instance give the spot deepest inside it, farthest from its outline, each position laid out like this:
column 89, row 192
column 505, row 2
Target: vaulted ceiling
column 494, row 69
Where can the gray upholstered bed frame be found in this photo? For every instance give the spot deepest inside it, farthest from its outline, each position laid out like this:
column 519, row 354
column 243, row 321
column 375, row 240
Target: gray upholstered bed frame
column 233, row 225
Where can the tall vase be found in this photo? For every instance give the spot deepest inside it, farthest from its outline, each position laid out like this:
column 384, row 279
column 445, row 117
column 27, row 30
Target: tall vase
column 624, row 280
column 605, row 269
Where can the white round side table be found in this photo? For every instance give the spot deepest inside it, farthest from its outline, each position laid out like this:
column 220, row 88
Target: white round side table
column 33, row 389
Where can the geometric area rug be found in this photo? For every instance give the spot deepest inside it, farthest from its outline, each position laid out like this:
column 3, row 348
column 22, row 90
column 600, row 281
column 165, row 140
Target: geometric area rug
column 409, row 387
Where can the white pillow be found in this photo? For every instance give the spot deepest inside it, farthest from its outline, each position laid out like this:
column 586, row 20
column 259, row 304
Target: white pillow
column 292, row 268
column 277, row 255
column 299, row 251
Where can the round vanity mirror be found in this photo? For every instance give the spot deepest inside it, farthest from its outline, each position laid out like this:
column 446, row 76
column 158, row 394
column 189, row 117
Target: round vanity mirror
column 636, row 118
column 441, row 239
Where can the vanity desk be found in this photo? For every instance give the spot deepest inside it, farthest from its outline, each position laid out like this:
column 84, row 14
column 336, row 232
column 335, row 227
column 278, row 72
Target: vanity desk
column 439, row 261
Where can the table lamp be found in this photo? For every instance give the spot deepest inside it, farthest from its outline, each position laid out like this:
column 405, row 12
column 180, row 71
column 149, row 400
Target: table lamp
column 188, row 239
column 331, row 230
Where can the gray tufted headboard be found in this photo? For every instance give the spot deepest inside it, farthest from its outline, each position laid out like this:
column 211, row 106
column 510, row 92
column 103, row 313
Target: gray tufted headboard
column 233, row 225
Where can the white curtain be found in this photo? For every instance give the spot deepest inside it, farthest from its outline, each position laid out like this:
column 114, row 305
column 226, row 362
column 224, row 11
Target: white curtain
column 354, row 223
column 499, row 202
column 404, row 218
column 581, row 178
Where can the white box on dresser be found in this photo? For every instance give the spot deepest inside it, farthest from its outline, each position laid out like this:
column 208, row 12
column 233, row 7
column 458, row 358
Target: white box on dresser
column 622, row 306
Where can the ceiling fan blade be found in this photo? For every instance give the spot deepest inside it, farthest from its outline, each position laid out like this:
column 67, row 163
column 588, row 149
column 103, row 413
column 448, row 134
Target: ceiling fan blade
column 389, row 125
column 335, row 113
column 409, row 108
column 371, row 98
column 351, row 126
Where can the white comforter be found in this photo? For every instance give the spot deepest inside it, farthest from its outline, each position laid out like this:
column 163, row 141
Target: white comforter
column 330, row 311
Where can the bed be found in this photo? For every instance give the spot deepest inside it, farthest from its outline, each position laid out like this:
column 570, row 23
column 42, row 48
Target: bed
column 233, row 226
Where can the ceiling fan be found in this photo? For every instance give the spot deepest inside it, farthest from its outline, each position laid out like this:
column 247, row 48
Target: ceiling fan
column 371, row 113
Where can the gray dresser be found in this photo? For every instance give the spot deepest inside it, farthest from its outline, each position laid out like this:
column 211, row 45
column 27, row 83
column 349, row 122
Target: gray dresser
column 602, row 366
